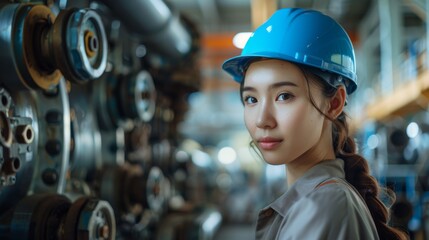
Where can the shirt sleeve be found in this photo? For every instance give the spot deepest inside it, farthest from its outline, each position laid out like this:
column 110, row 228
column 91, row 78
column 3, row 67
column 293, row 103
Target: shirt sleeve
column 330, row 212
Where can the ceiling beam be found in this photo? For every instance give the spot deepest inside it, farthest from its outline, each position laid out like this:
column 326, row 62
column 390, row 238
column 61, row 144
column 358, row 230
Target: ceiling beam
column 210, row 12
column 261, row 11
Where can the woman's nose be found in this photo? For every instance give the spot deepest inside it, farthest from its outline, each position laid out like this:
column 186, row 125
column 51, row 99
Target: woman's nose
column 265, row 118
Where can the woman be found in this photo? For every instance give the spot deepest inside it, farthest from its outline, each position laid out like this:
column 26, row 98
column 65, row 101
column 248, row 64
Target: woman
column 295, row 74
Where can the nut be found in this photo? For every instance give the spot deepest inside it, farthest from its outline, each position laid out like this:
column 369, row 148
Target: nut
column 24, row 134
column 97, row 220
column 85, row 34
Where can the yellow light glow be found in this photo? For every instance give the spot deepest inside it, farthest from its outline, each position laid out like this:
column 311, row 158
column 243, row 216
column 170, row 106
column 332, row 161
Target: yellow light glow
column 240, row 39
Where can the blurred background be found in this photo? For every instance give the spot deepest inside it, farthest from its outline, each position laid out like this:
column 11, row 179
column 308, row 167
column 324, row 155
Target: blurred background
column 117, row 121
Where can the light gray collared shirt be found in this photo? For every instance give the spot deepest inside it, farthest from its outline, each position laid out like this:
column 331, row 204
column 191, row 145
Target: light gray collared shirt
column 311, row 209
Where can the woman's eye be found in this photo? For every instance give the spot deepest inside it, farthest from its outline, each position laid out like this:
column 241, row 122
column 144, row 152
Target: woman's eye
column 284, row 96
column 249, row 100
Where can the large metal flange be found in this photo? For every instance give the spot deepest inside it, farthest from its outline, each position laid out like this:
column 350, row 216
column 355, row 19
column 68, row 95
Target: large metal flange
column 38, row 48
column 79, row 34
column 138, row 96
column 157, row 190
column 16, row 135
column 123, row 188
column 72, row 219
column 90, row 218
column 38, row 21
column 126, row 98
column 20, row 44
column 39, row 217
column 54, row 136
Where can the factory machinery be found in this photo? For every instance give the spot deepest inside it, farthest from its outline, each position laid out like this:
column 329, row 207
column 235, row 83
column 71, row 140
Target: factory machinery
column 91, row 93
column 398, row 151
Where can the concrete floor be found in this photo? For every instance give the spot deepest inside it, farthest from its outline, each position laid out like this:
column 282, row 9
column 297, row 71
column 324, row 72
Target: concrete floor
column 234, row 231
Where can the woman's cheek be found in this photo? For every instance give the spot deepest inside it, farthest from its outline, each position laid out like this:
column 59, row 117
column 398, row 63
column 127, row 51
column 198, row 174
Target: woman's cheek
column 249, row 121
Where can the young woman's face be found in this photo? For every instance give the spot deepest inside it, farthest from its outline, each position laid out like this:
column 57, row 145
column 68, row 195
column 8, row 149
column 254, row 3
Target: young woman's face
column 279, row 115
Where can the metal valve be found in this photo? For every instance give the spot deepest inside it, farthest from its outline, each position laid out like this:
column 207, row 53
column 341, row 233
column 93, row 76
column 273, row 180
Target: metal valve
column 16, row 136
column 90, row 218
column 125, row 98
column 79, row 35
column 53, row 216
column 38, row 47
column 138, row 96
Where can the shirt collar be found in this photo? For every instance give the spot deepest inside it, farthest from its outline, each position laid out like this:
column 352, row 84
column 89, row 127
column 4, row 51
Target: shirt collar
column 306, row 183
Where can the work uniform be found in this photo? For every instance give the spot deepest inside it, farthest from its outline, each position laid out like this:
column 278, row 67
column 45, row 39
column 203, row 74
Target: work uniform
column 319, row 205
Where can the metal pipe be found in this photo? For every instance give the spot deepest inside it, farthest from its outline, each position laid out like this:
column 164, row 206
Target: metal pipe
column 155, row 23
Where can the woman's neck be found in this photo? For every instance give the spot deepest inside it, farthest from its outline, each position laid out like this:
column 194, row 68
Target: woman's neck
column 298, row 167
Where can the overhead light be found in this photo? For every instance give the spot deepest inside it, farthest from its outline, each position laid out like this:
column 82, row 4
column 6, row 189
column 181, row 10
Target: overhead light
column 240, row 39
column 373, row 141
column 412, row 130
column 227, row 155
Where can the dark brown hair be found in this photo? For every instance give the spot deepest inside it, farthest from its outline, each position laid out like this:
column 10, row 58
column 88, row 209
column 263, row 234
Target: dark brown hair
column 356, row 167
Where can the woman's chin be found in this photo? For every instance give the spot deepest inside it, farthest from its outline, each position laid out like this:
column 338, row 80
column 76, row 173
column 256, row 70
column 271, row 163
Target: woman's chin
column 274, row 161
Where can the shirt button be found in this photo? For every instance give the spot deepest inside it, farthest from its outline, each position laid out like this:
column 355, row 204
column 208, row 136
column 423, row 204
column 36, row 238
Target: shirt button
column 269, row 212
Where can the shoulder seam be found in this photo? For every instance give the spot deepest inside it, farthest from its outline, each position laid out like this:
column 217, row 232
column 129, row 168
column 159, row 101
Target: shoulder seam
column 331, row 181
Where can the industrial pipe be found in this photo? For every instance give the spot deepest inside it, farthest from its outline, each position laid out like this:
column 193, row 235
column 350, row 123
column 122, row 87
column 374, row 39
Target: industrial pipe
column 155, row 23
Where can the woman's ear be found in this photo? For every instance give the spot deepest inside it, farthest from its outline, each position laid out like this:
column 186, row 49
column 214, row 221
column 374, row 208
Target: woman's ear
column 337, row 102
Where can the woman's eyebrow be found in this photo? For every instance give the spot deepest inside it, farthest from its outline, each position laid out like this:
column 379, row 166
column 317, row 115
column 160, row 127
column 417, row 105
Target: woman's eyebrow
column 284, row 83
column 272, row 86
column 248, row 89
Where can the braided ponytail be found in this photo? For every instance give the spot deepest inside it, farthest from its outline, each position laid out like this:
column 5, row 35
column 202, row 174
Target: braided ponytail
column 355, row 166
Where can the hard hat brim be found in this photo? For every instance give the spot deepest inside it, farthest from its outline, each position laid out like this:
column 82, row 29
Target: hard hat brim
column 237, row 66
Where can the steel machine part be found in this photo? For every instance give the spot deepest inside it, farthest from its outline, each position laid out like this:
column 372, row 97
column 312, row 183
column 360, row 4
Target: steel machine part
column 40, row 145
column 137, row 96
column 38, row 48
column 53, row 216
column 125, row 98
column 138, row 145
column 138, row 197
column 79, row 35
column 86, row 141
column 39, row 216
column 53, row 112
column 140, row 189
column 160, row 28
column 90, row 218
column 21, row 68
column 16, row 136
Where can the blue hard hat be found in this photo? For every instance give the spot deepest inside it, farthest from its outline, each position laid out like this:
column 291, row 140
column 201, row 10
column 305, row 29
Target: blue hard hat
column 302, row 36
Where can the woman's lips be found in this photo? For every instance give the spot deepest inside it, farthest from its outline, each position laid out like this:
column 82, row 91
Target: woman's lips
column 268, row 143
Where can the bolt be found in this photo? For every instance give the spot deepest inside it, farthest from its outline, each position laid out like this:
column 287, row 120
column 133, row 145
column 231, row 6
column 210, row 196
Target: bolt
column 104, row 231
column 54, row 117
column 50, row 176
column 145, row 95
column 99, row 219
column 86, row 25
column 12, row 179
column 53, row 147
column 5, row 101
column 12, row 165
column 24, row 134
column 91, row 43
column 5, row 130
